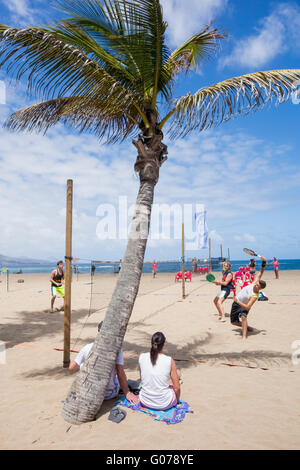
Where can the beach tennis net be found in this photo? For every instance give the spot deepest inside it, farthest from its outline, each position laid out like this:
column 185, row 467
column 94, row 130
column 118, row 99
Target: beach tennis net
column 98, row 295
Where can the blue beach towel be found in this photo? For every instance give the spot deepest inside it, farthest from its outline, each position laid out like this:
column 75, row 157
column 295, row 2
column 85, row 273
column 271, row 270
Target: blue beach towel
column 172, row 416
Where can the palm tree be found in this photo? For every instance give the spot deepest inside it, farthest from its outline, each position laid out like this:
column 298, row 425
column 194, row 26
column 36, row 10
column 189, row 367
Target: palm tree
column 106, row 69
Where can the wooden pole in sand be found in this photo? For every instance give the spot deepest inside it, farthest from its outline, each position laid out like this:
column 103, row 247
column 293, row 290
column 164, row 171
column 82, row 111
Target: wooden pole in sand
column 183, row 270
column 209, row 240
column 68, row 274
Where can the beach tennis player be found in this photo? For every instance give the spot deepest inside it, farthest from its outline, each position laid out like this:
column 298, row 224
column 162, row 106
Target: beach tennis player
column 252, row 265
column 226, row 286
column 276, row 267
column 245, row 299
column 56, row 278
column 154, row 268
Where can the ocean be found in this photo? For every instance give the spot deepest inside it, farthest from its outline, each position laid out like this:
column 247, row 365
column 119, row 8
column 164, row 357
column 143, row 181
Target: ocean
column 163, row 267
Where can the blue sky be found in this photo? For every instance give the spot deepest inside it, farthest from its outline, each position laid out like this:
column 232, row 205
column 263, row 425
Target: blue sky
column 246, row 172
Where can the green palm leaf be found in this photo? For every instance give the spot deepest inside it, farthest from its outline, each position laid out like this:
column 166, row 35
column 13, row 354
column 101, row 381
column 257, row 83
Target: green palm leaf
column 54, row 67
column 193, row 51
column 132, row 32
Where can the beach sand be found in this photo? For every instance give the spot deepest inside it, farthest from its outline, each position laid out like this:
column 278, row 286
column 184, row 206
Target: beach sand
column 234, row 407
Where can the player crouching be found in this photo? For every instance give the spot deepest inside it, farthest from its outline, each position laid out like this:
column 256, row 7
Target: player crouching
column 244, row 301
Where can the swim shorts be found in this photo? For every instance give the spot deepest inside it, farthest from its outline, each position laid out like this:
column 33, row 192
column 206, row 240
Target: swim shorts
column 237, row 312
column 223, row 294
column 58, row 290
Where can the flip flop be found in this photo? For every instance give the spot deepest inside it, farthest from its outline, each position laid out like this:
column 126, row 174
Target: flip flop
column 117, row 415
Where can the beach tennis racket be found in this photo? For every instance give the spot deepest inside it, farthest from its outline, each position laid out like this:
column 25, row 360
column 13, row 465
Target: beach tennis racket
column 210, row 278
column 250, row 252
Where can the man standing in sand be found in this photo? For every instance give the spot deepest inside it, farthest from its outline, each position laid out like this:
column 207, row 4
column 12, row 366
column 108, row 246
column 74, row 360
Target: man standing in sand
column 57, row 287
column 245, row 300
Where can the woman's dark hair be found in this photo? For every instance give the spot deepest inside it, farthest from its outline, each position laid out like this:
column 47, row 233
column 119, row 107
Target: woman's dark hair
column 157, row 342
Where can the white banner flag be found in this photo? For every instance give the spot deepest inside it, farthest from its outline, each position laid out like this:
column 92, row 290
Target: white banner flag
column 201, row 229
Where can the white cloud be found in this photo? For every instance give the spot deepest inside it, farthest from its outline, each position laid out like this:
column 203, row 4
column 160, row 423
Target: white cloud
column 275, row 34
column 185, row 18
column 19, row 9
column 215, row 237
column 34, row 170
column 22, row 12
column 245, row 237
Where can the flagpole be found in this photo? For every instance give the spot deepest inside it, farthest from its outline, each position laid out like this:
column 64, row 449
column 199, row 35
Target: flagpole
column 182, row 267
column 209, row 255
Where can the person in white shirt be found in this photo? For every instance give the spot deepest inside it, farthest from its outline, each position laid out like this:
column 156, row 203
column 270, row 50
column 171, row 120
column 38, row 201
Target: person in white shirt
column 156, row 370
column 117, row 379
column 245, row 300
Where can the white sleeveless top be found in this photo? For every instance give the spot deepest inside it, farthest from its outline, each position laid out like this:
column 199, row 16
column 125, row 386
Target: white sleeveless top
column 246, row 294
column 155, row 392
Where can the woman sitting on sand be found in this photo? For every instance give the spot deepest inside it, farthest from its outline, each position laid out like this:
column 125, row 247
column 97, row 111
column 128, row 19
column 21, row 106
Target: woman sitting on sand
column 156, row 369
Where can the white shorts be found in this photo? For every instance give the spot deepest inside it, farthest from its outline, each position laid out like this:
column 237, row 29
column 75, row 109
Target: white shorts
column 223, row 294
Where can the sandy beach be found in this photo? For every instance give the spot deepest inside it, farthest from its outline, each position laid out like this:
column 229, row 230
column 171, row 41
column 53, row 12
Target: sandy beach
column 241, row 407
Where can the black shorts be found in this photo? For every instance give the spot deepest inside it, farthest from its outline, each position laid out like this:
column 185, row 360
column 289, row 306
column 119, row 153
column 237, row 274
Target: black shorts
column 237, row 312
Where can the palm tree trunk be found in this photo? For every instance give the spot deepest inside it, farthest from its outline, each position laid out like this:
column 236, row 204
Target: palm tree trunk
column 88, row 390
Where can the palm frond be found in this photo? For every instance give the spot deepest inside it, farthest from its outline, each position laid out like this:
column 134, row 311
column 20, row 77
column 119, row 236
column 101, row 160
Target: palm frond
column 234, row 97
column 80, row 39
column 193, row 51
column 84, row 115
column 133, row 32
column 56, row 68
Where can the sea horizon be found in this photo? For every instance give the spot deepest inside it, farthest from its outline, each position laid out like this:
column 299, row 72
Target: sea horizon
column 162, row 266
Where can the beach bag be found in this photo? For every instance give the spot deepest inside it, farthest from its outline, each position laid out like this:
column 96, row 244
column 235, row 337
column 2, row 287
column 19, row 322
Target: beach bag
column 134, row 386
column 262, row 297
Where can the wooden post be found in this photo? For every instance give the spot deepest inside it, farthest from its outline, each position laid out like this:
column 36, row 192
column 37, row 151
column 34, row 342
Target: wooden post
column 7, row 280
column 183, row 270
column 209, row 240
column 68, row 274
column 221, row 252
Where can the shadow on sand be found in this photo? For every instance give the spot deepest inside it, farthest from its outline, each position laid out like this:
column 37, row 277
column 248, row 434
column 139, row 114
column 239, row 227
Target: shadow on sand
column 37, row 325
column 185, row 357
